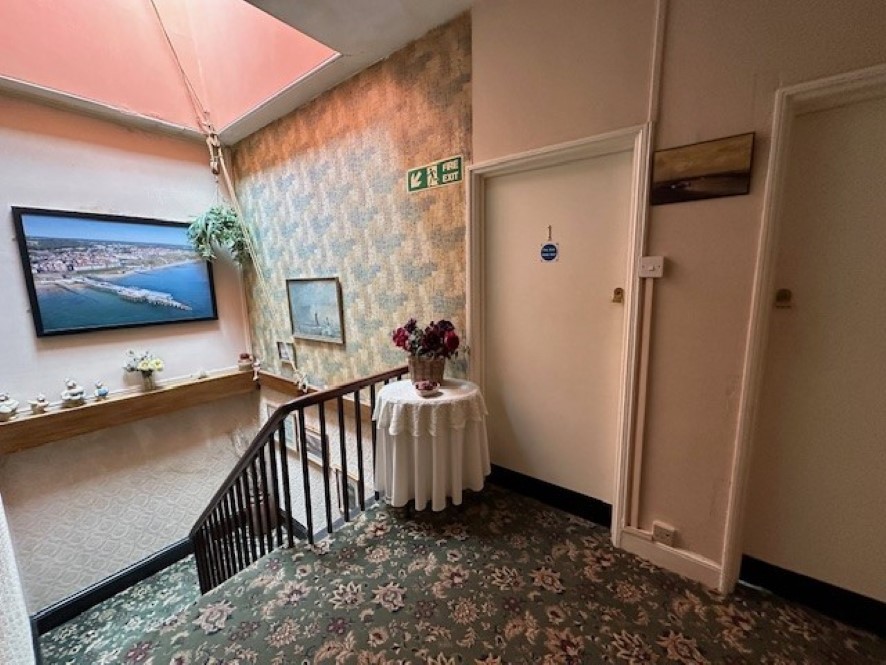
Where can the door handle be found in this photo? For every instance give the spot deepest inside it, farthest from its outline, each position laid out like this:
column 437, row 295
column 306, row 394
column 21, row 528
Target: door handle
column 618, row 295
column 784, row 299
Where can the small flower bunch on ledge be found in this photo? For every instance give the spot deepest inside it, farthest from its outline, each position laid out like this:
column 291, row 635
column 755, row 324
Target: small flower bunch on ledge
column 145, row 363
column 437, row 340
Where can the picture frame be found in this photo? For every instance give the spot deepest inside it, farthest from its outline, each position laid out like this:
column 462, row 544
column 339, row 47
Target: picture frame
column 293, row 437
column 314, row 445
column 706, row 170
column 353, row 488
column 315, row 309
column 286, row 352
column 87, row 271
column 289, row 424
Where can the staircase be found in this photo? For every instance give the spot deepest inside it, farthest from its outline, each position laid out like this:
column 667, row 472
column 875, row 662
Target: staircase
column 252, row 513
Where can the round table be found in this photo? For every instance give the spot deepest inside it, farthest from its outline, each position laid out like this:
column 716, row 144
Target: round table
column 430, row 448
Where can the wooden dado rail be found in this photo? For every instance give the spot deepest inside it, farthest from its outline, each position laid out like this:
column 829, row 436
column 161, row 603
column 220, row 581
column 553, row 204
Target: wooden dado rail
column 29, row 431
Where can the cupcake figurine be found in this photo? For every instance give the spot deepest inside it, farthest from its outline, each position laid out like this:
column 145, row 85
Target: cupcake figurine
column 244, row 362
column 8, row 407
column 101, row 391
column 39, row 404
column 73, row 394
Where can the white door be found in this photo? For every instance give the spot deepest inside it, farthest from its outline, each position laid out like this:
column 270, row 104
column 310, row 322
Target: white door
column 817, row 495
column 553, row 344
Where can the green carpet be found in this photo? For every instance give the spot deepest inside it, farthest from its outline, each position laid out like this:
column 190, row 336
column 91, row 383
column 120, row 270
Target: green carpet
column 502, row 580
column 97, row 636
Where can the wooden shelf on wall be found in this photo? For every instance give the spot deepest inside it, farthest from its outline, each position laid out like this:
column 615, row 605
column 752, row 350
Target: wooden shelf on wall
column 28, row 431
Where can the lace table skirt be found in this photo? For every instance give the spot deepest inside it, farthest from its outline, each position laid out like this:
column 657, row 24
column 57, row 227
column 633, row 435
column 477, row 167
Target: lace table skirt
column 430, row 448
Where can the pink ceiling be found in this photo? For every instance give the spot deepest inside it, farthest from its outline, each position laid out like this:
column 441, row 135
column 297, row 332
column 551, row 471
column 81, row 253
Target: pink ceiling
column 114, row 52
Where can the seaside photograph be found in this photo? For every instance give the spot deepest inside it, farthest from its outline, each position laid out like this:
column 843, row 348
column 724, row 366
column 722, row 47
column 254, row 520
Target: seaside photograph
column 707, row 170
column 97, row 272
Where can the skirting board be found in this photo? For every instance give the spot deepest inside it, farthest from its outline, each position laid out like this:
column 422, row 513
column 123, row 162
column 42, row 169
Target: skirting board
column 843, row 605
column 569, row 501
column 70, row 607
column 682, row 562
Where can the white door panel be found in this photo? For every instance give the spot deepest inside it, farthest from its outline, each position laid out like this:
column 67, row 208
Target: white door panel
column 553, row 335
column 817, row 490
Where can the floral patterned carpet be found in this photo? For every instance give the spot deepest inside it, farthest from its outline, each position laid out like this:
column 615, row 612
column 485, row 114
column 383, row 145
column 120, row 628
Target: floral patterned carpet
column 503, row 579
column 97, row 636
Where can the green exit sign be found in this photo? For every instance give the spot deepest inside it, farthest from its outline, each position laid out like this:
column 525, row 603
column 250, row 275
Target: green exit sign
column 444, row 172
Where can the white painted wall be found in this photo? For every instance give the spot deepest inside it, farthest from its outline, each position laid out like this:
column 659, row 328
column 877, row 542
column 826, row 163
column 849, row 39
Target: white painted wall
column 547, row 72
column 83, row 508
column 816, row 491
column 54, row 159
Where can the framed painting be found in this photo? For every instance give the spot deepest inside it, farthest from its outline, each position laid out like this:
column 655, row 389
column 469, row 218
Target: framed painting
column 353, row 489
column 289, row 424
column 315, row 309
column 313, row 441
column 314, row 445
column 285, row 352
column 86, row 271
column 707, row 170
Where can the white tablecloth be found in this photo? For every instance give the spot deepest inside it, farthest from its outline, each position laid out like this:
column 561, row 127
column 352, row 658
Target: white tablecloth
column 430, row 448
column 15, row 628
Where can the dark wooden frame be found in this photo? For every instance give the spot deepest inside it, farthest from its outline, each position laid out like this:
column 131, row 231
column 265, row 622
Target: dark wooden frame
column 678, row 190
column 352, row 482
column 18, row 212
column 340, row 308
column 285, row 347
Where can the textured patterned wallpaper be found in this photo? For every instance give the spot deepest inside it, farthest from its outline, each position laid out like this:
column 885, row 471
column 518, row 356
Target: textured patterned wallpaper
column 324, row 188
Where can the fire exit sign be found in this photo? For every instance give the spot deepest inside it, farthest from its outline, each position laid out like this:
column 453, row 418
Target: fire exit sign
column 444, row 172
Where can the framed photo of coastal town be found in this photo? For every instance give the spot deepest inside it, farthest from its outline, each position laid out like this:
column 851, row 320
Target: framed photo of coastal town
column 87, row 271
column 315, row 309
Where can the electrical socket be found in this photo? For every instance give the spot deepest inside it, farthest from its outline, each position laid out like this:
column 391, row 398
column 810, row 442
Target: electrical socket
column 664, row 533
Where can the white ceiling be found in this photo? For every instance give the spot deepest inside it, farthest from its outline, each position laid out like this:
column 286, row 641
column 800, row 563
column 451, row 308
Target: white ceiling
column 363, row 31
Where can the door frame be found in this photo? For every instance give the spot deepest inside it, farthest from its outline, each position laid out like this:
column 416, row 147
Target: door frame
column 790, row 101
column 635, row 140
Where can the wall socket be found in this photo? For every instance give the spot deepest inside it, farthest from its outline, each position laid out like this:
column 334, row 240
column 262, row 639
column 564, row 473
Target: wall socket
column 664, row 533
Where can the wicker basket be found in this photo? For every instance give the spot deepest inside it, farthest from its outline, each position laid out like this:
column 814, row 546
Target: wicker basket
column 426, row 369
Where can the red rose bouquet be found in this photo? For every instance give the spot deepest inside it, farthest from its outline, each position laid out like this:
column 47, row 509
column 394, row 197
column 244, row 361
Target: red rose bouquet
column 437, row 340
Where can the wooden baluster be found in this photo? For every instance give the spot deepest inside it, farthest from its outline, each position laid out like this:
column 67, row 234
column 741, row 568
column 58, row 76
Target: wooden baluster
column 306, row 483
column 343, row 449
column 266, row 500
column 275, row 486
column 324, row 454
column 374, row 432
column 287, row 495
column 361, row 471
column 229, row 534
column 242, row 519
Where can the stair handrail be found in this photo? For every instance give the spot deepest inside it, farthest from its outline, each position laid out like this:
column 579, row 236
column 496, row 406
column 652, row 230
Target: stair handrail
column 273, row 424
column 221, row 514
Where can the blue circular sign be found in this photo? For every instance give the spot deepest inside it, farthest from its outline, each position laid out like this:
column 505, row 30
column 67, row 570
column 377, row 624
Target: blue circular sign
column 549, row 251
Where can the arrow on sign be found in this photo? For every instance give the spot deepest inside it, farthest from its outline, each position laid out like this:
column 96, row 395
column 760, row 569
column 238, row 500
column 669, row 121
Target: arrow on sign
column 415, row 179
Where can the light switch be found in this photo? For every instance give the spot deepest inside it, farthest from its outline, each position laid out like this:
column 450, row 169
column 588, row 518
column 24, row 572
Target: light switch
column 651, row 266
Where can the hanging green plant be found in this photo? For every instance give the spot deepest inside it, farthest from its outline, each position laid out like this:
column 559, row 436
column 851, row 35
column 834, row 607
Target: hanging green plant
column 219, row 226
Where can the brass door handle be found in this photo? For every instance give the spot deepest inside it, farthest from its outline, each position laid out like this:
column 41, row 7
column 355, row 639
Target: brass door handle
column 784, row 299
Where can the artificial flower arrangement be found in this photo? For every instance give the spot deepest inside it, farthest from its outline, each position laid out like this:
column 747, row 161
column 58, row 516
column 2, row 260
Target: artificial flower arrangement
column 145, row 363
column 437, row 340
column 428, row 348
